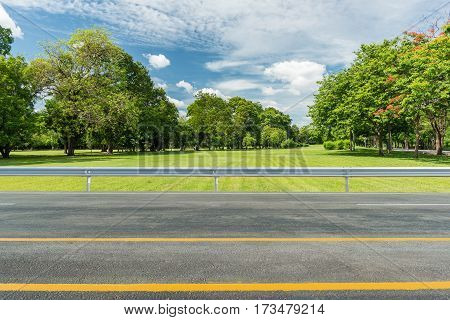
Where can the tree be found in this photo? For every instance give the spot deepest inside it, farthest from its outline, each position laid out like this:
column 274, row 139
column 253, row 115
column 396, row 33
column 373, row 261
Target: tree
column 43, row 137
column 6, row 39
column 246, row 116
column 273, row 137
column 75, row 73
column 16, row 104
column 210, row 116
column 276, row 119
column 427, row 83
column 248, row 141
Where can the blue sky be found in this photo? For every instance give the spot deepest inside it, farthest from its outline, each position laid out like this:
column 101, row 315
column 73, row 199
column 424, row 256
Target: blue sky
column 268, row 51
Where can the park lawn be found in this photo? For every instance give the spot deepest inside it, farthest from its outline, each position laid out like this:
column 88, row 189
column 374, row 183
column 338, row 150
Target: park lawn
column 313, row 156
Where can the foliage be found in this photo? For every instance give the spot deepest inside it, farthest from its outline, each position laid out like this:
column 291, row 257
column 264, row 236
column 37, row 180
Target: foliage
column 248, row 141
column 6, row 39
column 389, row 92
column 289, row 144
column 16, row 104
column 97, row 90
column 329, row 145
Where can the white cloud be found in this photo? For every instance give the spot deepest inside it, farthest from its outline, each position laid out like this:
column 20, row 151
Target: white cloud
column 299, row 76
column 157, row 61
column 241, row 36
column 212, row 91
column 269, row 103
column 269, row 91
column 237, row 85
column 177, row 103
column 159, row 83
column 220, row 65
column 186, row 86
column 327, row 31
column 7, row 22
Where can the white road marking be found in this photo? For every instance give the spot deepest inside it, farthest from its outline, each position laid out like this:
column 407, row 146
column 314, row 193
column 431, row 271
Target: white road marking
column 7, row 204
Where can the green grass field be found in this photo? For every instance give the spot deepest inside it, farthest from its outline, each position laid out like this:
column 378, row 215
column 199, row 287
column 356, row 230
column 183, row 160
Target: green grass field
column 314, row 156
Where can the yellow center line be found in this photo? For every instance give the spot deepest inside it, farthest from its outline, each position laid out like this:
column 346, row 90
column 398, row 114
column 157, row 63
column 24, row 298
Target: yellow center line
column 355, row 239
column 221, row 287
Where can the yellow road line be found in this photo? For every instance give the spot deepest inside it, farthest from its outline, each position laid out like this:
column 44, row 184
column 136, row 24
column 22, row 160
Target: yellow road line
column 358, row 239
column 220, row 287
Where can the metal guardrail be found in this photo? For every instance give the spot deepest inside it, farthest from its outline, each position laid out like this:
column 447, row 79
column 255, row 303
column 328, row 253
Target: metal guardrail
column 228, row 172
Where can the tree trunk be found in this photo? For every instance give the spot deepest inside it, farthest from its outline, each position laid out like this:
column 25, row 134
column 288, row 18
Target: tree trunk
column 439, row 143
column 65, row 147
column 110, row 149
column 380, row 145
column 406, row 144
column 389, row 141
column 439, row 124
column 104, row 148
column 416, row 145
column 70, row 147
column 5, row 151
column 351, row 140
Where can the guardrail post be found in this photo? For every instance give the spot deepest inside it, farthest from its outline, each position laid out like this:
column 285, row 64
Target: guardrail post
column 347, row 182
column 216, row 182
column 88, row 184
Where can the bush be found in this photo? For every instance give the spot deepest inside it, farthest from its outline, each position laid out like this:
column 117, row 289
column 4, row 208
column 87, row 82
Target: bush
column 329, row 145
column 288, row 144
column 343, row 144
column 337, row 145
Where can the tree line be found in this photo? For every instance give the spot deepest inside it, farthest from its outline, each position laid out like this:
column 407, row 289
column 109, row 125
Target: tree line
column 96, row 95
column 395, row 93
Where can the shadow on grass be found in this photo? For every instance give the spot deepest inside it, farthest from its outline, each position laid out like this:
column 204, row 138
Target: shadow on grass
column 23, row 159
column 400, row 155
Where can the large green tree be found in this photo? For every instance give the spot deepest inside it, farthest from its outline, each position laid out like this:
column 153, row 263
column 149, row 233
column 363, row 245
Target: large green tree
column 426, row 69
column 16, row 104
column 79, row 74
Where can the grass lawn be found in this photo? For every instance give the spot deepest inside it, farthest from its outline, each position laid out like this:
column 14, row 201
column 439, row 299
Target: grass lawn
column 313, row 156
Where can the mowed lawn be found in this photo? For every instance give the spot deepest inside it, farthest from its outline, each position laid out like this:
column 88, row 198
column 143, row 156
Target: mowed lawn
column 313, row 156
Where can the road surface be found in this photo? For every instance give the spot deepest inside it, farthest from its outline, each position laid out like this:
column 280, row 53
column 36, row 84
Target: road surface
column 214, row 246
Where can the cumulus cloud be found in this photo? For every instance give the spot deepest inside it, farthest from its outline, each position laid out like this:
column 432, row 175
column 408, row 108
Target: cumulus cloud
column 211, row 91
column 177, row 103
column 7, row 22
column 186, row 86
column 299, row 76
column 157, row 61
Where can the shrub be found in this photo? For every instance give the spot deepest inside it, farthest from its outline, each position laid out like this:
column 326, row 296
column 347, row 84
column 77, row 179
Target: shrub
column 288, row 144
column 329, row 145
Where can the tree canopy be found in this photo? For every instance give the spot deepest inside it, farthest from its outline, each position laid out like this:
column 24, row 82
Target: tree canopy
column 388, row 92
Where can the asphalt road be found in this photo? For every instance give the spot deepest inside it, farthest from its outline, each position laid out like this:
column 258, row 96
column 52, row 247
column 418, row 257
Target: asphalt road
column 391, row 245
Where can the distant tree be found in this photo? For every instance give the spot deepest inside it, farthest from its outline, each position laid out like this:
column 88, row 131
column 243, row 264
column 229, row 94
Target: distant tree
column 43, row 137
column 211, row 118
column 248, row 141
column 273, row 137
column 246, row 120
column 184, row 134
column 276, row 119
